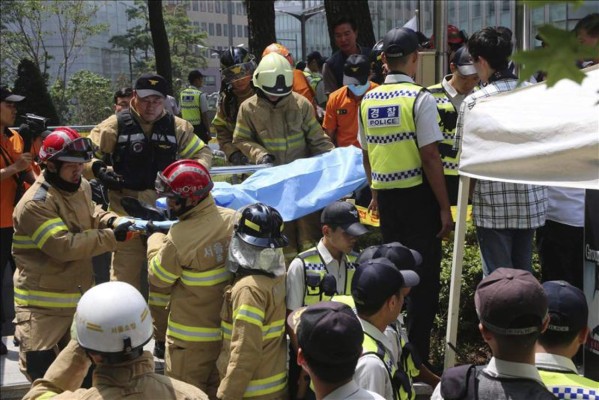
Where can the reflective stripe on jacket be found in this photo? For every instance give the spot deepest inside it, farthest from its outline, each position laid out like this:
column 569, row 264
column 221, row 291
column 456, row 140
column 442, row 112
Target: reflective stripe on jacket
column 387, row 115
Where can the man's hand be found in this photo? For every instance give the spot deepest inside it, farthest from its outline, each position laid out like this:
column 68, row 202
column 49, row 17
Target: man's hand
column 267, row 159
column 238, row 158
column 373, row 207
column 151, row 228
column 446, row 224
column 122, row 232
column 23, row 162
column 111, row 180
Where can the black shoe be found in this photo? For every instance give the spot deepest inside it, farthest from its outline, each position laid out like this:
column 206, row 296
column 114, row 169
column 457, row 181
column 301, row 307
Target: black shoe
column 3, row 349
column 159, row 350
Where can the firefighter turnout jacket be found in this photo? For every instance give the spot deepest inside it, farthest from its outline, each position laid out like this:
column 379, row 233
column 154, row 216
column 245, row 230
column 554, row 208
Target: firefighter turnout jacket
column 133, row 379
column 253, row 361
column 56, row 235
column 287, row 129
column 225, row 118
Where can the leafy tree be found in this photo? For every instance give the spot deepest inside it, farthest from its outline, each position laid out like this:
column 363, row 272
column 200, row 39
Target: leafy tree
column 31, row 84
column 357, row 10
column 90, row 98
column 558, row 58
column 261, row 23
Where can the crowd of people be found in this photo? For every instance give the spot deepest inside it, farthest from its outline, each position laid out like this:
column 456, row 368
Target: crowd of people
column 225, row 288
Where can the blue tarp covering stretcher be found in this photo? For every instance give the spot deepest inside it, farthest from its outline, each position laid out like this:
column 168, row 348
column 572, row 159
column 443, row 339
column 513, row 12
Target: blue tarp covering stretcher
column 298, row 188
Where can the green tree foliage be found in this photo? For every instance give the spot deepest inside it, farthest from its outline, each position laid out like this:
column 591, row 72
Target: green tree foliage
column 31, row 84
column 558, row 58
column 89, row 99
column 182, row 36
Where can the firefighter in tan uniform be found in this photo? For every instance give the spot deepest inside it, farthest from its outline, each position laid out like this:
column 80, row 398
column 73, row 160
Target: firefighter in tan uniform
column 190, row 259
column 141, row 142
column 253, row 362
column 57, row 232
column 278, row 126
column 112, row 323
column 236, row 68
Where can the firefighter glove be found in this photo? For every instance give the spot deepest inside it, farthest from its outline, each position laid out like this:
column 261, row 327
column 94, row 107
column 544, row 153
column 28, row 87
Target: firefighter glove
column 267, row 159
column 238, row 158
column 122, row 232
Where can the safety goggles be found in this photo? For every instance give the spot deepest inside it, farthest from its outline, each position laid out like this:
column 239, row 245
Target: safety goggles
column 238, row 71
column 79, row 150
column 162, row 186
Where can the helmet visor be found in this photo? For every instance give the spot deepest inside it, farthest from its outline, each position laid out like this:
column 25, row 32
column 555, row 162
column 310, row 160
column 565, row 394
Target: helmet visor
column 79, row 150
column 161, row 185
column 238, row 71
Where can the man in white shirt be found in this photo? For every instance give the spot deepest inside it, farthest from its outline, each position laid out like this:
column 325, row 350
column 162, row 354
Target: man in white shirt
column 329, row 337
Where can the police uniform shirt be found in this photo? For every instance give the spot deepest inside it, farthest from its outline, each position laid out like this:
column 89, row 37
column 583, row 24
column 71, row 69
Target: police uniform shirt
column 351, row 391
column 587, row 389
column 452, row 94
column 503, row 369
column 395, row 334
column 296, row 283
column 371, row 373
column 425, row 108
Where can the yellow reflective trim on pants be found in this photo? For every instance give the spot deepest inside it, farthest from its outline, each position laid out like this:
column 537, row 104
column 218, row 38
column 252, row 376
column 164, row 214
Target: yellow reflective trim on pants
column 160, row 272
column 259, row 387
column 207, row 278
column 24, row 297
column 47, row 229
column 227, row 330
column 273, row 330
column 158, row 299
column 194, row 145
column 23, row 242
column 193, row 333
column 250, row 314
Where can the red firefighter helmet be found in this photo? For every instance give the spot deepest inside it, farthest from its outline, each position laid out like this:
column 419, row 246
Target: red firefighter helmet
column 279, row 49
column 65, row 144
column 184, row 179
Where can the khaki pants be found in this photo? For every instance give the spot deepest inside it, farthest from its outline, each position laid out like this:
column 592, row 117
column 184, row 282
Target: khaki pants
column 38, row 332
column 194, row 363
column 303, row 233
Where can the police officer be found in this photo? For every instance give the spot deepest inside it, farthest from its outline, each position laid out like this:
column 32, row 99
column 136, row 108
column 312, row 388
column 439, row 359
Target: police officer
column 236, row 67
column 567, row 330
column 449, row 94
column 191, row 261
column 278, row 126
column 399, row 135
column 140, row 142
column 57, row 232
column 112, row 323
column 253, row 362
column 194, row 105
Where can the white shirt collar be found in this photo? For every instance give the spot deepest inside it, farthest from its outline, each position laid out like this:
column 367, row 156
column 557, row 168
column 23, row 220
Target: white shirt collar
column 554, row 362
column 343, row 392
column 398, row 78
column 447, row 86
column 379, row 336
column 509, row 369
column 324, row 252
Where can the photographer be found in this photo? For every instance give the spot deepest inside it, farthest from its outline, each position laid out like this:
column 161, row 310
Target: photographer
column 15, row 168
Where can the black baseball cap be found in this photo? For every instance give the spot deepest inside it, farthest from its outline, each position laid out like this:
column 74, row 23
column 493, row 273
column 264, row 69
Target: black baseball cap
column 7, row 95
column 463, row 61
column 151, row 85
column 356, row 70
column 315, row 55
column 376, row 280
column 399, row 42
column 511, row 302
column 404, row 259
column 345, row 215
column 329, row 334
column 567, row 307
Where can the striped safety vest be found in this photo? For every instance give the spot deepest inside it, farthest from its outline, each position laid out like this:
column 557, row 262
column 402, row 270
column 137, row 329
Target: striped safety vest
column 449, row 117
column 565, row 385
column 387, row 115
column 190, row 105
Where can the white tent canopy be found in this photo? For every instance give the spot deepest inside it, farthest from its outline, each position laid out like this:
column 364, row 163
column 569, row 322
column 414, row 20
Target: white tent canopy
column 536, row 135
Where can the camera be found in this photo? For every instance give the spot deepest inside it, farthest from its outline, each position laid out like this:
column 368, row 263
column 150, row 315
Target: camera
column 33, row 127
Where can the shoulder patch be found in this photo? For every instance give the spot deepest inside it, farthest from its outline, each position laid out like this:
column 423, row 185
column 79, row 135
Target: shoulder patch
column 380, row 117
column 42, row 192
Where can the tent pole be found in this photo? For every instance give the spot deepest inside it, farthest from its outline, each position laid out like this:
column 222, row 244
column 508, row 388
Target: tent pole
column 456, row 272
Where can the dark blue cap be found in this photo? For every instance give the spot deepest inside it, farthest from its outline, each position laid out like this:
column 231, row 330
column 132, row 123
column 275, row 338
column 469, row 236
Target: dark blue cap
column 567, row 307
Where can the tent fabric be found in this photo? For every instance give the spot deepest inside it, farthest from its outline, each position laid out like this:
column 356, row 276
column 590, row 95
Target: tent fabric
column 300, row 187
column 537, row 135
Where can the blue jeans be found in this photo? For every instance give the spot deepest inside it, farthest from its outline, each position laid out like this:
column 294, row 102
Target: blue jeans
column 508, row 248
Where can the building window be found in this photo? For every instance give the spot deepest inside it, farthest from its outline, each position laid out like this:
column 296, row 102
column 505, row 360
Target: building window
column 219, row 31
column 210, row 6
column 238, row 8
column 217, row 6
column 247, row 31
column 204, row 26
column 203, row 6
column 194, row 5
column 226, row 30
column 211, row 29
column 240, row 31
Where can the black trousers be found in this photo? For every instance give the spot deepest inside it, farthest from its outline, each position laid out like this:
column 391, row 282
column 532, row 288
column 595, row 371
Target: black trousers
column 6, row 260
column 561, row 252
column 412, row 217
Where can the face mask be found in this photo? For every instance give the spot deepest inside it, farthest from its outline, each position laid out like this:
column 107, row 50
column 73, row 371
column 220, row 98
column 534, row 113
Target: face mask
column 359, row 90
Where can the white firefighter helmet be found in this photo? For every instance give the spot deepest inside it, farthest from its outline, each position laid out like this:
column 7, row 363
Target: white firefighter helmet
column 114, row 320
column 274, row 75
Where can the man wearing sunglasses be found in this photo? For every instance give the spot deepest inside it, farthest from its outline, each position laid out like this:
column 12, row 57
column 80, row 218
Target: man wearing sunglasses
column 57, row 232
